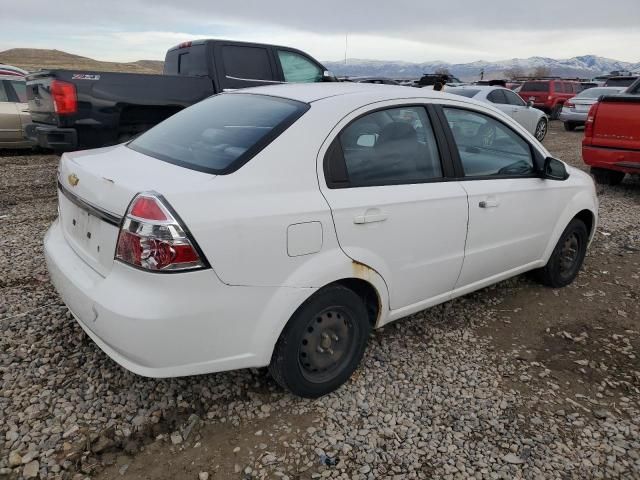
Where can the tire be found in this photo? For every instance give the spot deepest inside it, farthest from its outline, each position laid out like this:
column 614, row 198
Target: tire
column 322, row 344
column 541, row 129
column 567, row 256
column 569, row 127
column 607, row 177
column 555, row 112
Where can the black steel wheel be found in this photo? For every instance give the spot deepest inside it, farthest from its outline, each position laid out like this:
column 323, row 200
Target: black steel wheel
column 567, row 256
column 322, row 344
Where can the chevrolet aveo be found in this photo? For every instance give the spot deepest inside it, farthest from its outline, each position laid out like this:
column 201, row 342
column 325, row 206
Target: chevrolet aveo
column 278, row 225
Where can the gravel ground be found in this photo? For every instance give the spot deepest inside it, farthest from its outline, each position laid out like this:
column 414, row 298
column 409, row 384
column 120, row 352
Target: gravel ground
column 514, row 381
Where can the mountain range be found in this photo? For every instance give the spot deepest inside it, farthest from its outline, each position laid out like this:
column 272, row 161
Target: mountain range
column 585, row 66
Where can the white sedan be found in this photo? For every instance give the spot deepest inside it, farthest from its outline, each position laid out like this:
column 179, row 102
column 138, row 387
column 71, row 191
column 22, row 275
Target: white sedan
column 278, row 225
column 534, row 120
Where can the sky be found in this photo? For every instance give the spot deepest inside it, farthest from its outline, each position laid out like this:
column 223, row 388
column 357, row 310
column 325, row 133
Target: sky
column 455, row 31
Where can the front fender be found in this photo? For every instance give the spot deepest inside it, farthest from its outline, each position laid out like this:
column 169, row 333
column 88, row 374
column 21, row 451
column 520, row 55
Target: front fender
column 582, row 200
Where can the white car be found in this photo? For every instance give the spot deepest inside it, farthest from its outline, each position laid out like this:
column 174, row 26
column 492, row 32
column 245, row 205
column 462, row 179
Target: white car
column 532, row 119
column 278, row 225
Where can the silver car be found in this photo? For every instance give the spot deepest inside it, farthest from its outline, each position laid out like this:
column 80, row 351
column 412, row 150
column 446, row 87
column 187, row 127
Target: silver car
column 534, row 120
column 575, row 110
column 14, row 112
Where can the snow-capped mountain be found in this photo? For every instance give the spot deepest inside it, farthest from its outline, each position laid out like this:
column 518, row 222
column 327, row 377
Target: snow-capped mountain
column 584, row 66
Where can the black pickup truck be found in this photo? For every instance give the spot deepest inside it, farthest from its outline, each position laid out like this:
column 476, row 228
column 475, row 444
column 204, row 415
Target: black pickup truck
column 73, row 109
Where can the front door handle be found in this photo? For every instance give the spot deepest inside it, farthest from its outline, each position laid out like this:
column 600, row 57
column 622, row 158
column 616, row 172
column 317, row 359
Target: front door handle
column 491, row 203
column 370, row 216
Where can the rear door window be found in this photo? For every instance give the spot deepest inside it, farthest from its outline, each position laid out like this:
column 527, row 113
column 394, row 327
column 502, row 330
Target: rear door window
column 390, row 147
column 221, row 133
column 4, row 97
column 20, row 90
column 247, row 63
column 298, row 68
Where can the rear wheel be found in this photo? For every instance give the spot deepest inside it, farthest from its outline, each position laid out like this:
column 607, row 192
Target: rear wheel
column 322, row 344
column 555, row 112
column 607, row 177
column 569, row 126
column 541, row 129
column 567, row 257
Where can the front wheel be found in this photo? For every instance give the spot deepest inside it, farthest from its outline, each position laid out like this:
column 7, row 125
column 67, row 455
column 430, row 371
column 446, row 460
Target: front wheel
column 322, row 344
column 567, row 257
column 541, row 129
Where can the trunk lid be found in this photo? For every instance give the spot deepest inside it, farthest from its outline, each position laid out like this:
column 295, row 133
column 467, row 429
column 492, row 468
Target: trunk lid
column 95, row 188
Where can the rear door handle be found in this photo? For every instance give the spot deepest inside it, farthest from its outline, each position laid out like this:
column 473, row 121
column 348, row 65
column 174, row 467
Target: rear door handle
column 370, row 218
column 491, row 203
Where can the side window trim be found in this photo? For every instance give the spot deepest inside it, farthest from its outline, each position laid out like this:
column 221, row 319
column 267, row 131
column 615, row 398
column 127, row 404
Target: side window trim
column 334, row 161
column 536, row 157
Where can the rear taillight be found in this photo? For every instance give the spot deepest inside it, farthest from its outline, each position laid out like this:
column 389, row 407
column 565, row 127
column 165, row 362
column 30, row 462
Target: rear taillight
column 569, row 105
column 549, row 98
column 152, row 237
column 64, row 96
column 591, row 121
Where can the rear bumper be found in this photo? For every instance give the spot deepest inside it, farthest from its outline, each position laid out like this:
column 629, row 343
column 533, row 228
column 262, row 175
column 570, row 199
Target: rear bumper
column 55, row 138
column 168, row 325
column 627, row 161
column 577, row 118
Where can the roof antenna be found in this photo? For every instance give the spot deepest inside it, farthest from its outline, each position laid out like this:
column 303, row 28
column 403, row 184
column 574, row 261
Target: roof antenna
column 346, row 39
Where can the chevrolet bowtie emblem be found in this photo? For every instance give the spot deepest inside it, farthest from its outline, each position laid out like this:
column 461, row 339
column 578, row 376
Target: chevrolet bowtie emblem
column 73, row 179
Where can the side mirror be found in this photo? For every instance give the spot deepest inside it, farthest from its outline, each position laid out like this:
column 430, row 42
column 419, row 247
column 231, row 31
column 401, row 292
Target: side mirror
column 530, row 104
column 554, row 169
column 327, row 76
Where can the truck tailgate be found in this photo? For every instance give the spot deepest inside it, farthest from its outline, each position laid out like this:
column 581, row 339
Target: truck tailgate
column 617, row 123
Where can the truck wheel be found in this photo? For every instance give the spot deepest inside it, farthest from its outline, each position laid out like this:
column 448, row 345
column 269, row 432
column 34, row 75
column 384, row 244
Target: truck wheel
column 322, row 344
column 555, row 112
column 567, row 257
column 607, row 177
column 569, row 126
column 541, row 129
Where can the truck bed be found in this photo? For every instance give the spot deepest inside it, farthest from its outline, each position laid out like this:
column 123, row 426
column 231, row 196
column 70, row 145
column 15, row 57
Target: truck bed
column 114, row 106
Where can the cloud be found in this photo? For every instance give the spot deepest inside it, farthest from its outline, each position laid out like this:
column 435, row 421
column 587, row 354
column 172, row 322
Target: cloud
column 411, row 30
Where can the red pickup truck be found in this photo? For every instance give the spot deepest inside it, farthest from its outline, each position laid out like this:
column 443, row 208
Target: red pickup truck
column 611, row 144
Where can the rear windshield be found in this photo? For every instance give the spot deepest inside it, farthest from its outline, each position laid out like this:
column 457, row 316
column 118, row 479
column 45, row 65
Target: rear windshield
column 598, row 92
column 535, row 87
column 620, row 82
column 221, row 133
column 465, row 92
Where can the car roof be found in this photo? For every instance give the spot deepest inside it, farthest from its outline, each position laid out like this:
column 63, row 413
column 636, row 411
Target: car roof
column 313, row 92
column 12, row 77
column 480, row 87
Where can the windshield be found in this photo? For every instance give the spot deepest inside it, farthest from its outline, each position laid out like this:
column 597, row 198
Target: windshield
column 597, row 92
column 535, row 87
column 221, row 133
column 465, row 92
